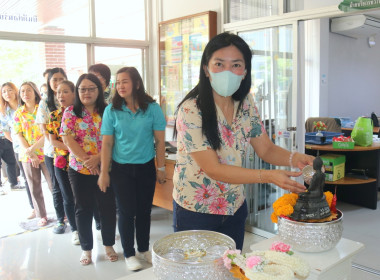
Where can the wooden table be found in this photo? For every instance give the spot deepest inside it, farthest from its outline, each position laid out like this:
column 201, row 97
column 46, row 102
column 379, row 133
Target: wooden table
column 333, row 264
column 356, row 191
column 347, row 130
column 163, row 195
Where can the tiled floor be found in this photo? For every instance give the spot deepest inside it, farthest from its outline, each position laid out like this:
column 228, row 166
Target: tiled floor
column 44, row 255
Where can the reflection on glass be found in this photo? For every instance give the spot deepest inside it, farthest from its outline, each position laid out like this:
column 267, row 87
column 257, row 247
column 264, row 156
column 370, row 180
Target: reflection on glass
column 54, row 17
column 239, row 10
column 272, row 71
column 26, row 61
column 116, row 58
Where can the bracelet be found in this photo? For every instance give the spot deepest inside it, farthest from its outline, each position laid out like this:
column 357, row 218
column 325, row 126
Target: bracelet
column 161, row 168
column 261, row 180
column 291, row 159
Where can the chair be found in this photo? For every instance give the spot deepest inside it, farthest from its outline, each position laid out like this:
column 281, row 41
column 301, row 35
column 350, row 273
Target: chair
column 333, row 124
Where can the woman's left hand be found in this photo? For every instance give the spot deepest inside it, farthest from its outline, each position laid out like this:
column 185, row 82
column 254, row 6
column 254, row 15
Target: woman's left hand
column 161, row 176
column 301, row 160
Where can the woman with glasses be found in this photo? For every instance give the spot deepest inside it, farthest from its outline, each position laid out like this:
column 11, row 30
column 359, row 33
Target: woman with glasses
column 133, row 132
column 31, row 143
column 80, row 131
column 47, row 105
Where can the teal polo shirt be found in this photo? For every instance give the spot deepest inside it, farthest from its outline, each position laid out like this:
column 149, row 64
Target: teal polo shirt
column 133, row 132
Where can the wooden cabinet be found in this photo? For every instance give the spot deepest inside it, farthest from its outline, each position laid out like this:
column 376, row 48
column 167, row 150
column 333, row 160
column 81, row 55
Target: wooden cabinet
column 163, row 194
column 362, row 192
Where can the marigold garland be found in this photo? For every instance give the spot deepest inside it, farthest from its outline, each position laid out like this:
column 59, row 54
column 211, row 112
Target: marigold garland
column 284, row 205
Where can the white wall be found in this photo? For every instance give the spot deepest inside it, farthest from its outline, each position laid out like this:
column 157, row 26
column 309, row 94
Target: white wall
column 313, row 4
column 354, row 77
column 176, row 8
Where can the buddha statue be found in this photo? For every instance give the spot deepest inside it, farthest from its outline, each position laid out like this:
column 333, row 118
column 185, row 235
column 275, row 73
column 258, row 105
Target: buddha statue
column 312, row 204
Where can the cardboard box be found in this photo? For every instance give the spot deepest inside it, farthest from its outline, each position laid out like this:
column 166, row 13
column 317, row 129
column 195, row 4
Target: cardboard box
column 343, row 145
column 334, row 166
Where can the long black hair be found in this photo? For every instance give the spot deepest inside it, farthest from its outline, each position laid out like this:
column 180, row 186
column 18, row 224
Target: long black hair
column 100, row 104
column 138, row 91
column 50, row 92
column 202, row 92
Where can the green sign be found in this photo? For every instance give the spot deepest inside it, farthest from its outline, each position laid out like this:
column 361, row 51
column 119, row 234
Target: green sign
column 355, row 5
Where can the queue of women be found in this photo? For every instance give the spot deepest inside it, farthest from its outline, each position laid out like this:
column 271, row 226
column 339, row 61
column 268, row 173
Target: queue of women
column 95, row 156
column 61, row 136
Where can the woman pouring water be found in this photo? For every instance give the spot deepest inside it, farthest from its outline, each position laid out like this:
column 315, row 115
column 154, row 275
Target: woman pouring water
column 215, row 123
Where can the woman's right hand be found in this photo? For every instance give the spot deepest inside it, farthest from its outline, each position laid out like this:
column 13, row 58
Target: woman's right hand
column 35, row 160
column 104, row 181
column 282, row 178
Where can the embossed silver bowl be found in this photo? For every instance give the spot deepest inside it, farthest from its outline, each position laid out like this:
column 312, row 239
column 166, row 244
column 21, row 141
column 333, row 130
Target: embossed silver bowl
column 169, row 262
column 311, row 237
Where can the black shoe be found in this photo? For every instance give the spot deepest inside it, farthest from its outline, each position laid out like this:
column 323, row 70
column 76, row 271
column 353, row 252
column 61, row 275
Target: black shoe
column 59, row 228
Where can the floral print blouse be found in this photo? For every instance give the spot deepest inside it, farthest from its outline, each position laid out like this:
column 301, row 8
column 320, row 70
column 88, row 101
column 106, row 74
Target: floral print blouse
column 193, row 189
column 25, row 123
column 86, row 132
column 6, row 125
column 43, row 118
column 61, row 157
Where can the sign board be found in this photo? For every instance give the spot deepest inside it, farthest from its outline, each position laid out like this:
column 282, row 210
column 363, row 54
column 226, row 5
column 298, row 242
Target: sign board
column 355, row 5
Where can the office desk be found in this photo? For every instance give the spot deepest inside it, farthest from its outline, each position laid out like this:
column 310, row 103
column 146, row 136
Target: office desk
column 356, row 191
column 347, row 130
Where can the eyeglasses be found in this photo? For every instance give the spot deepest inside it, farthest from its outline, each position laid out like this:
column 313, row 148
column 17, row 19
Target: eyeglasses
column 90, row 89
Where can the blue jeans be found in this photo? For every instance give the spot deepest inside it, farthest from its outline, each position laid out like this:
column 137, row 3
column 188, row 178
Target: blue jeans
column 67, row 195
column 134, row 186
column 233, row 226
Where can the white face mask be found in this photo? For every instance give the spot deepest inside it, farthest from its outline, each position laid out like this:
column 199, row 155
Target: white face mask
column 225, row 83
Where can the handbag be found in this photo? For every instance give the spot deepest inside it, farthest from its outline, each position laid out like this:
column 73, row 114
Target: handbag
column 362, row 132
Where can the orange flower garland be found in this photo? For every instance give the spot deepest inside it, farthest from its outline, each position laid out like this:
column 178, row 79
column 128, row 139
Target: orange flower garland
column 284, row 205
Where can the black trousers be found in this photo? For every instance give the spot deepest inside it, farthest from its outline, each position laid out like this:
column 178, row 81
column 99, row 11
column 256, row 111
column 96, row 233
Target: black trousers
column 86, row 193
column 57, row 195
column 67, row 195
column 7, row 154
column 134, row 186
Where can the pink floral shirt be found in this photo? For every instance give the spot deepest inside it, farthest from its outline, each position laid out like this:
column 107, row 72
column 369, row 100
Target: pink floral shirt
column 86, row 132
column 193, row 189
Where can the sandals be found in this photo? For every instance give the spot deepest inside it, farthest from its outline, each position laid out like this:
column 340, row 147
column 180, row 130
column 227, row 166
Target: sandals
column 111, row 254
column 85, row 258
column 42, row 222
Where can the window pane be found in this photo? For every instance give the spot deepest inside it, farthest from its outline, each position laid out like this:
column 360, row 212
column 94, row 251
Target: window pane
column 54, row 17
column 249, row 9
column 120, row 19
column 116, row 58
column 26, row 61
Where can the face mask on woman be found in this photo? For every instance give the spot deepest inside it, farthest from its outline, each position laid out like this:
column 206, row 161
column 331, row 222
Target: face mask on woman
column 225, row 83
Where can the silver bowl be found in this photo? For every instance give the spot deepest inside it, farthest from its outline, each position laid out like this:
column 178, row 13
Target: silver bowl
column 168, row 265
column 311, row 237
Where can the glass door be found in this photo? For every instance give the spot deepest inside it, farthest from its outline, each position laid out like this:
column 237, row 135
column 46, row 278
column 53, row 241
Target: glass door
column 273, row 66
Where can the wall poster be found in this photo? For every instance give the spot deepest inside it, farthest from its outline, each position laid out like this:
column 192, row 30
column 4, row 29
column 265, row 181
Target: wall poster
column 181, row 45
